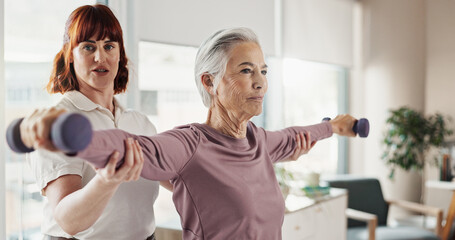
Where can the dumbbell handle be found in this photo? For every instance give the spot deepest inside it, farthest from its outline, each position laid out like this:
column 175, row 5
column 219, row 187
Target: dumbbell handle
column 70, row 133
column 361, row 127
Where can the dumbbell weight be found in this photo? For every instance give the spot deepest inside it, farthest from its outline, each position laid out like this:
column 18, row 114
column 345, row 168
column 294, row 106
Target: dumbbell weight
column 70, row 133
column 361, row 127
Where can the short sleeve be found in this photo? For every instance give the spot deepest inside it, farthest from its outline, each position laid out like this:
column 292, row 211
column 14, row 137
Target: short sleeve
column 47, row 166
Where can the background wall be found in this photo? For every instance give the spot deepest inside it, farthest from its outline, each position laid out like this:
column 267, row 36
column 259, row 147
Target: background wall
column 392, row 72
column 193, row 21
column 440, row 76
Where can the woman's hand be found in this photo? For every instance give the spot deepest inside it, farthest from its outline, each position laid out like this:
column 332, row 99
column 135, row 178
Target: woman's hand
column 131, row 168
column 76, row 208
column 303, row 146
column 35, row 129
column 343, row 124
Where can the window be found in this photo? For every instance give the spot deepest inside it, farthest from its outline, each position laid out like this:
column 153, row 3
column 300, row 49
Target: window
column 312, row 91
column 170, row 98
column 29, row 51
column 166, row 82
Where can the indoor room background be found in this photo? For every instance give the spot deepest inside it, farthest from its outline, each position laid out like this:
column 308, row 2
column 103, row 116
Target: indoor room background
column 325, row 57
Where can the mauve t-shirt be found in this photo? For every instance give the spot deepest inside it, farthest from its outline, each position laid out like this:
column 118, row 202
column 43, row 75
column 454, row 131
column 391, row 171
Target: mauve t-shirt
column 224, row 187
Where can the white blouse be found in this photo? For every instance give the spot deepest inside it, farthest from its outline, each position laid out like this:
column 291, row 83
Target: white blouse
column 129, row 214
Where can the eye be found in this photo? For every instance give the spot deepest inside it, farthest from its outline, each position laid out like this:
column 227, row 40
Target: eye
column 109, row 47
column 88, row 47
column 264, row 72
column 246, row 70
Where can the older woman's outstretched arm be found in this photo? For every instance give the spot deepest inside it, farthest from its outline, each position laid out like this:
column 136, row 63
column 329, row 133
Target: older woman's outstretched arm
column 165, row 154
column 281, row 144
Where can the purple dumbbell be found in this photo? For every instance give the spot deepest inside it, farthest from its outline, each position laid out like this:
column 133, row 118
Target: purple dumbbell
column 70, row 133
column 361, row 127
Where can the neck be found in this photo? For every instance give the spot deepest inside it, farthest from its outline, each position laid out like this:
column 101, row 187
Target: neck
column 227, row 122
column 104, row 98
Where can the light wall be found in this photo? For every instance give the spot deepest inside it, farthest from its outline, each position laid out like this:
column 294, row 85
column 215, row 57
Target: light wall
column 190, row 22
column 320, row 31
column 392, row 74
column 440, row 76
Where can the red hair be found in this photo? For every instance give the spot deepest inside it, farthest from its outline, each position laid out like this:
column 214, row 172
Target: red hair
column 85, row 22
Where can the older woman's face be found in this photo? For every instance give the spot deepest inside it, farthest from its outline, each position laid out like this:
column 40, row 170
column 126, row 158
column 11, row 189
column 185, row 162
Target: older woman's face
column 242, row 88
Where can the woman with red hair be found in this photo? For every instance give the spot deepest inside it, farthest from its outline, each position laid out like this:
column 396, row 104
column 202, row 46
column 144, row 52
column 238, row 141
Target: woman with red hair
column 84, row 202
column 107, row 203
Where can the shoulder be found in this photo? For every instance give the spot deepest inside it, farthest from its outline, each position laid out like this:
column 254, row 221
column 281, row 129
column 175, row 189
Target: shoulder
column 189, row 133
column 66, row 104
column 191, row 129
column 255, row 130
column 47, row 166
column 76, row 101
column 141, row 121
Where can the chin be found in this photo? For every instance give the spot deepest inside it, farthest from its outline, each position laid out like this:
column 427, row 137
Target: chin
column 257, row 112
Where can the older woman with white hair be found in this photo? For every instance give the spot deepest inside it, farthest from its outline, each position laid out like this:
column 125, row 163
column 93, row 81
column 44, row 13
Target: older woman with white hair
column 222, row 170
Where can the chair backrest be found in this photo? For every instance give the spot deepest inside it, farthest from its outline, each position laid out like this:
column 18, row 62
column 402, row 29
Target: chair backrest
column 364, row 194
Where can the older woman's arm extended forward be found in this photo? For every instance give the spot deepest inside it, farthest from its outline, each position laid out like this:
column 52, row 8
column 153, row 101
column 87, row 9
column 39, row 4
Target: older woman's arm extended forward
column 281, row 144
column 165, row 154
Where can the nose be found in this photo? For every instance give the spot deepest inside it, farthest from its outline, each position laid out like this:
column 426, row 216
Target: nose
column 259, row 82
column 100, row 56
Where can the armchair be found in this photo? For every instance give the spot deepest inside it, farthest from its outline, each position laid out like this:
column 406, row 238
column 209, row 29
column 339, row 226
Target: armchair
column 367, row 207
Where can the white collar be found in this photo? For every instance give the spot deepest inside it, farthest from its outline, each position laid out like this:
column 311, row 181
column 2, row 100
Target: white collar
column 83, row 103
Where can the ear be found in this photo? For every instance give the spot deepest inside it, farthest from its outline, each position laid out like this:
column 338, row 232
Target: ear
column 207, row 82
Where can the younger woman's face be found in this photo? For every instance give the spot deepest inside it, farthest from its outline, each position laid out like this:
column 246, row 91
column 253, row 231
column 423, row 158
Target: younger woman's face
column 96, row 63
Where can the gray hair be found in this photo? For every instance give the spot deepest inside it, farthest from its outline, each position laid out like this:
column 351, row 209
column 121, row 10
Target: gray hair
column 213, row 55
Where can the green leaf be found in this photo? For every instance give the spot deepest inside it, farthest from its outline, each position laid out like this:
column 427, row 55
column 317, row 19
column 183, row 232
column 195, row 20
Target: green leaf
column 409, row 135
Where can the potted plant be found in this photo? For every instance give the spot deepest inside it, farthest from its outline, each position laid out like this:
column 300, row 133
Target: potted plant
column 409, row 136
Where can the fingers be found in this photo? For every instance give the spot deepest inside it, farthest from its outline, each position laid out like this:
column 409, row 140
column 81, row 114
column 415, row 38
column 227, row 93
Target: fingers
column 123, row 172
column 308, row 142
column 139, row 160
column 28, row 135
column 109, row 169
column 343, row 124
column 35, row 128
column 298, row 148
column 298, row 142
column 131, row 168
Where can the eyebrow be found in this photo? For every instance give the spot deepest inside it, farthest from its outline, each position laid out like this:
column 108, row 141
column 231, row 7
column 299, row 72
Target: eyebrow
column 252, row 65
column 91, row 41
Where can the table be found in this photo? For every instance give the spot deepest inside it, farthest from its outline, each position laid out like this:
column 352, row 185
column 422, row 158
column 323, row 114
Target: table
column 310, row 218
column 451, row 213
